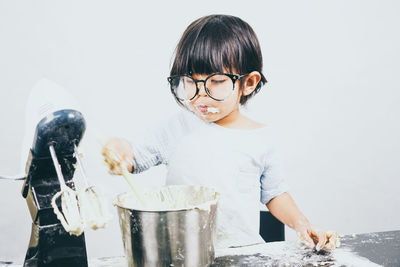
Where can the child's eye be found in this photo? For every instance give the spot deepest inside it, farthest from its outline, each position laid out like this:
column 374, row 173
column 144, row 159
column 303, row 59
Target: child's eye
column 188, row 81
column 218, row 80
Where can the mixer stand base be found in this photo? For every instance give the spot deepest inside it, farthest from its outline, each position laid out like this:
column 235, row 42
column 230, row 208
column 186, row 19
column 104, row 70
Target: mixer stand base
column 52, row 246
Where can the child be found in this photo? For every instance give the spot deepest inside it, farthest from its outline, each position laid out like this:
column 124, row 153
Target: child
column 217, row 67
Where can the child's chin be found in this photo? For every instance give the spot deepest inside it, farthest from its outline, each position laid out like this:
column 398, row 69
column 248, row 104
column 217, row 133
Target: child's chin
column 207, row 117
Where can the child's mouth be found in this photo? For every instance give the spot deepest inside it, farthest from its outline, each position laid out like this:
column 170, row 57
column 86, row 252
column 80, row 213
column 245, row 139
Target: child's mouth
column 206, row 110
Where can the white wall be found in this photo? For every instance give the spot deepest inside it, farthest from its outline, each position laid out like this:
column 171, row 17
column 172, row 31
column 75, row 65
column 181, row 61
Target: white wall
column 333, row 94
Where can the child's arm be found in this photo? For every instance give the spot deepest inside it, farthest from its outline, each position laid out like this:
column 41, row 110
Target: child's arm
column 120, row 154
column 285, row 209
column 147, row 150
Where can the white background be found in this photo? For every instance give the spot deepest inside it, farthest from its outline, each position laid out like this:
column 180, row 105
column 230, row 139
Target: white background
column 333, row 94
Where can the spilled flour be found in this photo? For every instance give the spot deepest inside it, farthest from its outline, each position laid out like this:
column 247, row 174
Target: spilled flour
column 287, row 254
column 170, row 198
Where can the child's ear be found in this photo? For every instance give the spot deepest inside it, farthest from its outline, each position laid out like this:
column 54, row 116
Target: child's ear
column 251, row 82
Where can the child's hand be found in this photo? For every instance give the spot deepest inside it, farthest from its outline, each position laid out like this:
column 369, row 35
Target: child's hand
column 118, row 154
column 317, row 238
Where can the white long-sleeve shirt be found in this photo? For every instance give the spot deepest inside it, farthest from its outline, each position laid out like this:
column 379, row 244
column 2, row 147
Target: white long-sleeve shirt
column 240, row 164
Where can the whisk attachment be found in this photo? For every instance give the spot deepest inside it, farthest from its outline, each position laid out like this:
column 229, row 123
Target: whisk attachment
column 93, row 207
column 70, row 215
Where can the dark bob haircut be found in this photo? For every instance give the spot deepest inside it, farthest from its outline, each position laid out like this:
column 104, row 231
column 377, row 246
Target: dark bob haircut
column 219, row 43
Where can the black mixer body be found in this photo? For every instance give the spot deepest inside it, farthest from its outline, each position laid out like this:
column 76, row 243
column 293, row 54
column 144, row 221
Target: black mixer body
column 50, row 244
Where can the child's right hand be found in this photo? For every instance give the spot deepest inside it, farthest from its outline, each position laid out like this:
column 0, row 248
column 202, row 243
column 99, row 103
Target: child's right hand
column 118, row 154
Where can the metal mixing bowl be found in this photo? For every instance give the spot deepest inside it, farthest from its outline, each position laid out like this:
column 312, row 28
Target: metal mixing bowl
column 181, row 237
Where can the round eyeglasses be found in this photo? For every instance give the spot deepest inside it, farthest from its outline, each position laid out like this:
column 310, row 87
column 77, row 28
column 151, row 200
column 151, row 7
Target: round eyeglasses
column 218, row 86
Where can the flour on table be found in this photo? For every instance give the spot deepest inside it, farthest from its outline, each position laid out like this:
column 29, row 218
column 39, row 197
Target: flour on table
column 290, row 254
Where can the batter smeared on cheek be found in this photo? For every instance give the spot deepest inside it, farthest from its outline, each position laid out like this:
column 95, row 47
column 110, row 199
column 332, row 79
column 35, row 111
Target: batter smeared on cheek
column 213, row 110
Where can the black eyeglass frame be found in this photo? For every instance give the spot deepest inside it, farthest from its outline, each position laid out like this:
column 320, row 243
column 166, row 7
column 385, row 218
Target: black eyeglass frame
column 233, row 77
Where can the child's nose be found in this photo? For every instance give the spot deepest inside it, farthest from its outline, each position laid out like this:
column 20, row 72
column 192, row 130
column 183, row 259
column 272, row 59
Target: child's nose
column 202, row 89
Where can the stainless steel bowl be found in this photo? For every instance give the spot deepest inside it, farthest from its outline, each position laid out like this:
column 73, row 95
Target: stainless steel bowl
column 181, row 237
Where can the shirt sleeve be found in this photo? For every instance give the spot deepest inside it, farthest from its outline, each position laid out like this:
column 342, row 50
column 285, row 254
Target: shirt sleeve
column 153, row 147
column 149, row 152
column 272, row 181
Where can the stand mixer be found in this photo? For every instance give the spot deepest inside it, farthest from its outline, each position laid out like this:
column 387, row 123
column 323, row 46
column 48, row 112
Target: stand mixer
column 50, row 244
column 60, row 202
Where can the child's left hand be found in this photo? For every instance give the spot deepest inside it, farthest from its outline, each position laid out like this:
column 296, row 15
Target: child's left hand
column 285, row 210
column 318, row 238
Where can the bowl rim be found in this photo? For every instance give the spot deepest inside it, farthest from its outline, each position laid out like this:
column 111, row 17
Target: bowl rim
column 202, row 206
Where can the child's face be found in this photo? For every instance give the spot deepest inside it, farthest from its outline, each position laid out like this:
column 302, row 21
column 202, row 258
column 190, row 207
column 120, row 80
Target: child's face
column 212, row 110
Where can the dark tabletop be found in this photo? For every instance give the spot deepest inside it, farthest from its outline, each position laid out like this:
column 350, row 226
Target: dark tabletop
column 369, row 249
column 382, row 248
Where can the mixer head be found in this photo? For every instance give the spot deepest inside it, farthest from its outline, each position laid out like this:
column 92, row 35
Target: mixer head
column 63, row 129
